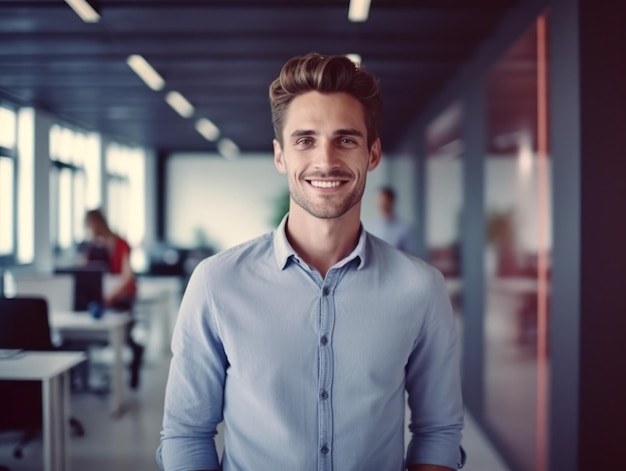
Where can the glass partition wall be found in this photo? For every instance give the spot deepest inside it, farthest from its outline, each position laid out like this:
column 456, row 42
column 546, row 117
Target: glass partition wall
column 517, row 251
column 444, row 197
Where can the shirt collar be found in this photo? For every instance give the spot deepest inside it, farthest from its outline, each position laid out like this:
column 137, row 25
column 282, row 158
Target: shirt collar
column 284, row 252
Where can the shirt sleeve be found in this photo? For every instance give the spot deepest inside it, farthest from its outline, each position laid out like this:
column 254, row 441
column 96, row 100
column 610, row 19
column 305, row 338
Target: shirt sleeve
column 434, row 386
column 194, row 391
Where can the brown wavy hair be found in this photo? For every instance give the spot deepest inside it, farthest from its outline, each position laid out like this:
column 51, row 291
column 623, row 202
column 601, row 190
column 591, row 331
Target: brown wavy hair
column 325, row 74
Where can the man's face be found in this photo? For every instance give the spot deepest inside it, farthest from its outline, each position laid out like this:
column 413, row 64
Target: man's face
column 325, row 154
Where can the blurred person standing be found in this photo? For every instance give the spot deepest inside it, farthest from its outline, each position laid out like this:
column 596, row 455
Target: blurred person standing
column 388, row 226
column 305, row 339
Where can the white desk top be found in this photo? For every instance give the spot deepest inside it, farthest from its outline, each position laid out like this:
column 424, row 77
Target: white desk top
column 82, row 320
column 29, row 365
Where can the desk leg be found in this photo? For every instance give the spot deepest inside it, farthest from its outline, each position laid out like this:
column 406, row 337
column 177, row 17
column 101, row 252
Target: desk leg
column 55, row 423
column 65, row 418
column 116, row 339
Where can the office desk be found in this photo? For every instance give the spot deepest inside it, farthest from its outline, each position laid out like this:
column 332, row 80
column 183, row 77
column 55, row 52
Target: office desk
column 161, row 295
column 80, row 325
column 150, row 307
column 51, row 368
column 157, row 302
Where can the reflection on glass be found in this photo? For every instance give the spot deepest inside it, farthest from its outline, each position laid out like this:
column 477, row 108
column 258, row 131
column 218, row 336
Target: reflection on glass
column 516, row 252
column 444, row 196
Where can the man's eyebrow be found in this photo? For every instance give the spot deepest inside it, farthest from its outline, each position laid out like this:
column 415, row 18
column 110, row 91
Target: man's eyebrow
column 338, row 132
column 302, row 132
column 348, row 132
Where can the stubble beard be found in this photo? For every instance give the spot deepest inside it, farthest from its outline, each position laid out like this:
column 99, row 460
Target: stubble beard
column 332, row 206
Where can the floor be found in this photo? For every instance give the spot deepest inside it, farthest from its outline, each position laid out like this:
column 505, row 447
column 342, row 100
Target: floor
column 128, row 443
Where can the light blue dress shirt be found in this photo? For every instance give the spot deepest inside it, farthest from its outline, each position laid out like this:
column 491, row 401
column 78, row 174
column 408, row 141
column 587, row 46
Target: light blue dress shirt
column 309, row 374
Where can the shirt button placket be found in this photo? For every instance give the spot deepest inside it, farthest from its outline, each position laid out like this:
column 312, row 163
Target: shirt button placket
column 324, row 407
column 325, row 379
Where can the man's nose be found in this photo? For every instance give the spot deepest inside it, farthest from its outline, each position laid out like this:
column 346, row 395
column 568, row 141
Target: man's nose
column 327, row 156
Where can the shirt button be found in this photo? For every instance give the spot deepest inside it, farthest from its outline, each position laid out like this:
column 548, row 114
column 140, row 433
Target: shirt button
column 324, row 340
column 324, row 395
column 324, row 450
column 325, row 291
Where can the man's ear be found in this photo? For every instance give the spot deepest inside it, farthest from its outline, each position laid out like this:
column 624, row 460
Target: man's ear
column 279, row 163
column 375, row 155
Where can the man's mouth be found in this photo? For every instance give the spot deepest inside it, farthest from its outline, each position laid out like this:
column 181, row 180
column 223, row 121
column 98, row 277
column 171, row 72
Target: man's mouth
column 325, row 183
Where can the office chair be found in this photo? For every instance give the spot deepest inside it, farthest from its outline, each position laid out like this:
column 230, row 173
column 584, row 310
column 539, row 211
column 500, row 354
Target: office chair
column 24, row 325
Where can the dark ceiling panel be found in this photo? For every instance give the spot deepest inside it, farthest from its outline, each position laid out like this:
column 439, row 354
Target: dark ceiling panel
column 222, row 56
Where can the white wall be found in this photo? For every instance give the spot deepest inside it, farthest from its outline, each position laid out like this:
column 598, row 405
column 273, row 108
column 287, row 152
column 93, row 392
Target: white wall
column 401, row 175
column 444, row 194
column 231, row 200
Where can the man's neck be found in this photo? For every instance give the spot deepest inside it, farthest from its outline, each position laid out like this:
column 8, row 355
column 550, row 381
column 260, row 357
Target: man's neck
column 323, row 242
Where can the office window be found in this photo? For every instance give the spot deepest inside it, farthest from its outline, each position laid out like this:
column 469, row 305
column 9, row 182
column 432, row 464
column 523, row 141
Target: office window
column 90, row 150
column 125, row 167
column 6, row 206
column 7, row 127
column 25, row 186
column 74, row 183
column 65, row 207
column 7, row 183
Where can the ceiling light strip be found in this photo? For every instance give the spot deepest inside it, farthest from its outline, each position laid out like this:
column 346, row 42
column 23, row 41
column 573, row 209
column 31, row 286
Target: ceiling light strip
column 208, row 130
column 356, row 58
column 359, row 10
column 145, row 71
column 180, row 104
column 83, row 9
column 227, row 148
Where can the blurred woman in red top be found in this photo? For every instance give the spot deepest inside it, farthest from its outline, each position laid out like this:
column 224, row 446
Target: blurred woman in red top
column 113, row 252
column 106, row 246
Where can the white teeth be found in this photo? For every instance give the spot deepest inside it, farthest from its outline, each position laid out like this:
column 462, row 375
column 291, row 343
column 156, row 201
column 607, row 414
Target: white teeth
column 325, row 184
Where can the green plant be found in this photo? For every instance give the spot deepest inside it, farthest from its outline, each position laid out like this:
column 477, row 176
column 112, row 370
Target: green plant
column 281, row 207
column 499, row 226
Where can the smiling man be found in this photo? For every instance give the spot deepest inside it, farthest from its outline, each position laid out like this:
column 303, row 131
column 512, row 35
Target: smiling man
column 307, row 340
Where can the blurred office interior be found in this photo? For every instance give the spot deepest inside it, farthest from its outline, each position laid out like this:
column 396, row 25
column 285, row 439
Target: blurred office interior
column 510, row 168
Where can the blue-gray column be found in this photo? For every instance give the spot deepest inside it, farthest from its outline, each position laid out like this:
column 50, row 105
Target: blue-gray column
column 564, row 327
column 472, row 246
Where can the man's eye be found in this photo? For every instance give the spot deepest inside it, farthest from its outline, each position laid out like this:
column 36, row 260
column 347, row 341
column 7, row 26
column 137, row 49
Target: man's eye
column 305, row 141
column 347, row 141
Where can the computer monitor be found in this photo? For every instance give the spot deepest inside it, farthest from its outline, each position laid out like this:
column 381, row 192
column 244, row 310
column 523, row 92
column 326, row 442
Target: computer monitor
column 24, row 323
column 88, row 284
